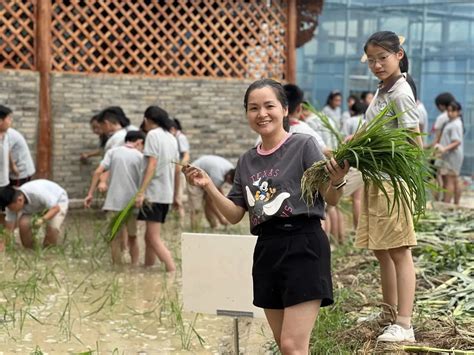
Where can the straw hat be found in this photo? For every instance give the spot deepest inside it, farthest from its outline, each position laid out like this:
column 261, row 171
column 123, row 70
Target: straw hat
column 363, row 59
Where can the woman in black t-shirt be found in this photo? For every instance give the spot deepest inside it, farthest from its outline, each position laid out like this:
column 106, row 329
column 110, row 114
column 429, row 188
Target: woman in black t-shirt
column 291, row 267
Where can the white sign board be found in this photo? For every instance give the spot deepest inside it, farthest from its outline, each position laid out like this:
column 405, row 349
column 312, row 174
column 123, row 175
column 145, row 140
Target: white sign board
column 217, row 274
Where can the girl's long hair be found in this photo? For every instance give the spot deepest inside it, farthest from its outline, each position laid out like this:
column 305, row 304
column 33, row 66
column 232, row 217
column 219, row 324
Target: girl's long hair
column 158, row 116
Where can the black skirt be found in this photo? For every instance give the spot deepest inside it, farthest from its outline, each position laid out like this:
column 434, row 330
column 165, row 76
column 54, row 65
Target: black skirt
column 291, row 263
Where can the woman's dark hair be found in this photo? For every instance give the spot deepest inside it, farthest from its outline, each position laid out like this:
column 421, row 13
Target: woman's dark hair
column 444, row 99
column 114, row 114
column 158, row 116
column 294, row 96
column 353, row 97
column 177, row 124
column 8, row 195
column 133, row 136
column 389, row 41
column 358, row 108
column 103, row 138
column 277, row 89
column 364, row 94
column 272, row 84
column 94, row 118
column 454, row 105
column 332, row 95
column 4, row 112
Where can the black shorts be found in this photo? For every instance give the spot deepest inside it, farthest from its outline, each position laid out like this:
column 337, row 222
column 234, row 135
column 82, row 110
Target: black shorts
column 19, row 182
column 153, row 212
column 291, row 263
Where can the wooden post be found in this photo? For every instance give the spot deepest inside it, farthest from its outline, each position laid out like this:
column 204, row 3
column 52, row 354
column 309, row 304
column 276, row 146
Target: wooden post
column 43, row 66
column 291, row 42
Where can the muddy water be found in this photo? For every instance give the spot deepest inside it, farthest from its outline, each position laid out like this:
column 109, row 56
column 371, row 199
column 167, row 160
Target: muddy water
column 70, row 300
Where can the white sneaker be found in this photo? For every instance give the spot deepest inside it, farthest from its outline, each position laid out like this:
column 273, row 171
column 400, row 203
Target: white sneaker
column 397, row 333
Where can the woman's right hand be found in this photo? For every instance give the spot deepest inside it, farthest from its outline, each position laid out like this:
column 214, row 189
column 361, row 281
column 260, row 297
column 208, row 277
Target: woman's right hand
column 196, row 176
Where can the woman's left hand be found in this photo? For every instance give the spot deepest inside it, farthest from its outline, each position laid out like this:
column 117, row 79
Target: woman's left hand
column 335, row 172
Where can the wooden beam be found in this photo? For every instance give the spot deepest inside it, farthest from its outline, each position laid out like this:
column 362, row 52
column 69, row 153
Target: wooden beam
column 43, row 66
column 291, row 32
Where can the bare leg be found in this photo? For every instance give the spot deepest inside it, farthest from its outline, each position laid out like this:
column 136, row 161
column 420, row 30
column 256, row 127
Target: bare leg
column 24, row 225
column 458, row 191
column 196, row 217
column 327, row 226
column 298, row 322
column 124, row 241
column 275, row 320
column 152, row 238
column 356, row 203
column 116, row 247
column 406, row 281
column 150, row 256
column 332, row 214
column 448, row 185
column 341, row 236
column 133, row 249
column 438, row 182
column 51, row 236
column 388, row 277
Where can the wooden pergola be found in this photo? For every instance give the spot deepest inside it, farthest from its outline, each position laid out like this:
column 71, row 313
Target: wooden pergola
column 161, row 38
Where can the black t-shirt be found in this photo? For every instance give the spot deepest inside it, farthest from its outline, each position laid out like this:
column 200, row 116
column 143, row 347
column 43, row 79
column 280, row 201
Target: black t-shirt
column 268, row 184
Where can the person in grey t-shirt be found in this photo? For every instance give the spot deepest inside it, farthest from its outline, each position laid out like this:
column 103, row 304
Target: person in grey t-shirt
column 5, row 123
column 451, row 148
column 221, row 171
column 125, row 166
column 43, row 198
column 160, row 183
column 184, row 157
column 115, row 124
column 291, row 267
column 21, row 158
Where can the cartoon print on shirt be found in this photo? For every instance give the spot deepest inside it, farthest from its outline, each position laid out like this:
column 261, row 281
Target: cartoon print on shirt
column 381, row 104
column 265, row 201
column 265, row 191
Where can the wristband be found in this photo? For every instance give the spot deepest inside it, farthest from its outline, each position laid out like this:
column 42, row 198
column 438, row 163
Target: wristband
column 340, row 185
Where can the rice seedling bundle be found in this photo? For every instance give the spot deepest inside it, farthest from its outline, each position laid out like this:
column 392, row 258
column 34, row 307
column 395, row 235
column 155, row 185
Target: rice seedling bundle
column 381, row 153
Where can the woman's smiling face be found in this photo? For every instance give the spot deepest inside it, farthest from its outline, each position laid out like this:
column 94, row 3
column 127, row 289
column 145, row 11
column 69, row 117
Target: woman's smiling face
column 265, row 112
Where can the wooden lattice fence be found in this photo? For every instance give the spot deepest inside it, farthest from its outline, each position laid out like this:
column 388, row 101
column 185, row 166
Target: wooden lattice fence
column 17, row 34
column 202, row 38
column 242, row 39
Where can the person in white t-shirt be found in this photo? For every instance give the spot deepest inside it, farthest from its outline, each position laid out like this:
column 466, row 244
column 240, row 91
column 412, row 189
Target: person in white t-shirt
column 332, row 109
column 351, row 100
column 24, row 168
column 184, row 157
column 5, row 123
column 334, row 224
column 125, row 166
column 160, row 183
column 366, row 97
column 221, row 171
column 423, row 115
column 441, row 101
column 110, row 124
column 26, row 206
column 97, row 130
